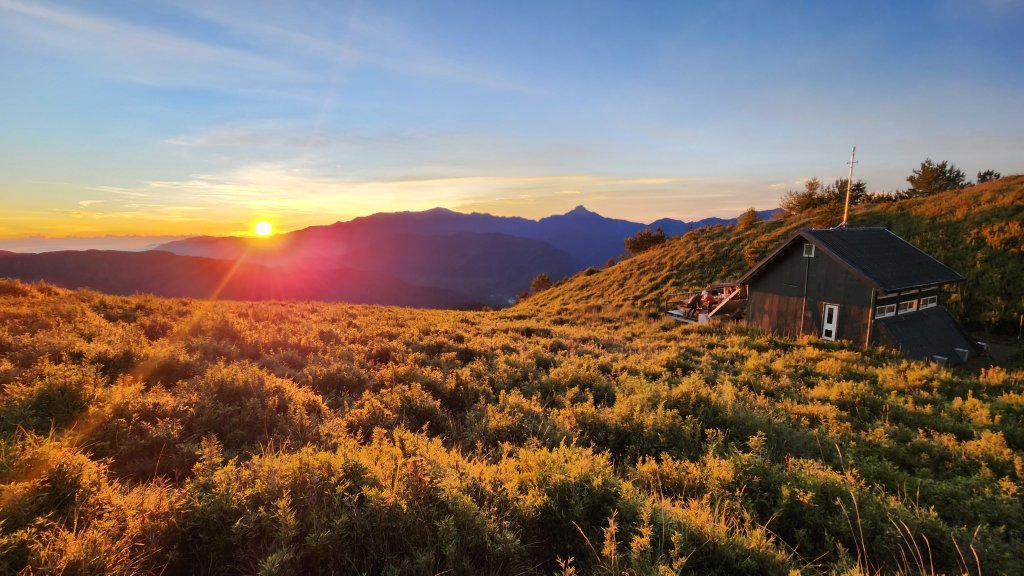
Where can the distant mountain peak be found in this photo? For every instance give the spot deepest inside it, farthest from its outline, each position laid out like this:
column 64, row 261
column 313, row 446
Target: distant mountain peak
column 580, row 210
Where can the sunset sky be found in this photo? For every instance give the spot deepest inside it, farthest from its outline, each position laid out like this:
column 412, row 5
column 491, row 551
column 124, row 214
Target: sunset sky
column 120, row 117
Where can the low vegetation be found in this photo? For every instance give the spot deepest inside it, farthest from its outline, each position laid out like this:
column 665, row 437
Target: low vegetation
column 644, row 240
column 141, row 435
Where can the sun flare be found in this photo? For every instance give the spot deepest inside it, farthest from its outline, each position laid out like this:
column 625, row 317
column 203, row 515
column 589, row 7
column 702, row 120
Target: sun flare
column 263, row 228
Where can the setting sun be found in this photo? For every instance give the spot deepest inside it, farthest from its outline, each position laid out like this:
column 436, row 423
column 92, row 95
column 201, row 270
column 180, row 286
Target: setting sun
column 263, row 228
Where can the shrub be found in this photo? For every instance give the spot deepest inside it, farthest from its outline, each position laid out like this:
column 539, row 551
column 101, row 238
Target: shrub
column 246, row 408
column 644, row 240
column 57, row 395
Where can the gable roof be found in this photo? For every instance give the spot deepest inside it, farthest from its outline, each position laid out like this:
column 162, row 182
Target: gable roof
column 883, row 259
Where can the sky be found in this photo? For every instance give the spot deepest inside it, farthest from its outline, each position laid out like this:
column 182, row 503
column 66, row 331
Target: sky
column 125, row 122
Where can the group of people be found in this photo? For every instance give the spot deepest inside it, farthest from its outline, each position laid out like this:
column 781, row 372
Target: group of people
column 705, row 301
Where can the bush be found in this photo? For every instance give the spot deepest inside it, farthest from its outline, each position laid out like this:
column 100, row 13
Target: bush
column 247, row 408
column 644, row 240
column 318, row 438
column 57, row 396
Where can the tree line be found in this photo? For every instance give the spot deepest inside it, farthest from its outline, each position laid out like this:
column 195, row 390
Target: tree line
column 929, row 178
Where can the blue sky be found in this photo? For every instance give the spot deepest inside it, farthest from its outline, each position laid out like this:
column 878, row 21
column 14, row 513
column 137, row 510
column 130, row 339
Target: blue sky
column 181, row 117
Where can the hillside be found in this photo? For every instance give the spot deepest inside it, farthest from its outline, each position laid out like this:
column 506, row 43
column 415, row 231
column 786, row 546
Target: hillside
column 166, row 274
column 977, row 231
column 142, row 435
column 488, row 268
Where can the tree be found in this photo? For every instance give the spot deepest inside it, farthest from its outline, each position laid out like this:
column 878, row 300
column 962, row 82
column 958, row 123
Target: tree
column 988, row 175
column 800, row 201
column 836, row 192
column 645, row 240
column 748, row 219
column 540, row 283
column 932, row 178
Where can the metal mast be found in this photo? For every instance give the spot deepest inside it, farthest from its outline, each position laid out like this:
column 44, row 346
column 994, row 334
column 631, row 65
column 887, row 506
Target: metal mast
column 849, row 186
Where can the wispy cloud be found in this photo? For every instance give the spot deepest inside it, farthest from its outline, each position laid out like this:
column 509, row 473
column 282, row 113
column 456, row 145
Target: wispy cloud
column 104, row 242
column 302, row 195
column 338, row 38
column 142, row 54
column 258, row 134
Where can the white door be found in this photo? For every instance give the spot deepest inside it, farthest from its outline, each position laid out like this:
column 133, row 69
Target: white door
column 828, row 326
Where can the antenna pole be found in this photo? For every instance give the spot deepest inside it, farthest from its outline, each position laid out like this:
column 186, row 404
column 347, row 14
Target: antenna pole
column 849, row 186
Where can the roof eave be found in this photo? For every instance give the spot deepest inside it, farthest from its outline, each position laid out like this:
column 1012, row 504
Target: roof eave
column 889, row 289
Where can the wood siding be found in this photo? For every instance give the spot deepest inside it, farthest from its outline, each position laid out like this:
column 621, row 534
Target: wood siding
column 777, row 296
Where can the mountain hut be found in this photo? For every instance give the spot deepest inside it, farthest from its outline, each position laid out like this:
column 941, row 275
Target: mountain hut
column 865, row 285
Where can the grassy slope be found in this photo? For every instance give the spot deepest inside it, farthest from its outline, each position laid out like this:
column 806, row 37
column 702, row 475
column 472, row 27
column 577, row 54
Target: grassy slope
column 977, row 231
column 147, row 435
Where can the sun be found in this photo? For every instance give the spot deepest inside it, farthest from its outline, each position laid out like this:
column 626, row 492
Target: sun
column 263, row 228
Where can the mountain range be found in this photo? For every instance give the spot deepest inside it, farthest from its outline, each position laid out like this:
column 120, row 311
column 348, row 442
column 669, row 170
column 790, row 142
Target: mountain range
column 434, row 258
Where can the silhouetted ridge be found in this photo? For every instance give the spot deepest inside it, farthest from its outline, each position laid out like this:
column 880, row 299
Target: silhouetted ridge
column 492, row 259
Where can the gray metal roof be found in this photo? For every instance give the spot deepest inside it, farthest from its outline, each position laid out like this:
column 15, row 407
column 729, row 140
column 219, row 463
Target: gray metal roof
column 927, row 333
column 885, row 260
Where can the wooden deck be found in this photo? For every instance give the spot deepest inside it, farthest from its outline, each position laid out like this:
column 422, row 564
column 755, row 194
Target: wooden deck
column 732, row 305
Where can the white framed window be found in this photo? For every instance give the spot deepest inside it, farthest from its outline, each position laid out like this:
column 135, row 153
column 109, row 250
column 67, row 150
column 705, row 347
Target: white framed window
column 929, row 301
column 908, row 306
column 808, row 250
column 885, row 311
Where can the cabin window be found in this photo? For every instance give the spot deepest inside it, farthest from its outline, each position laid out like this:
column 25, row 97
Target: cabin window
column 808, row 250
column 929, row 301
column 908, row 306
column 828, row 324
column 885, row 311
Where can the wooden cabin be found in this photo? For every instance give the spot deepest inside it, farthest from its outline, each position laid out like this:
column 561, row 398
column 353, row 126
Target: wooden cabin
column 865, row 285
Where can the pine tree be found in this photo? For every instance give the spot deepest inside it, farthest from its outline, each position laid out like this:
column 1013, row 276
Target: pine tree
column 540, row 283
column 988, row 175
column 932, row 178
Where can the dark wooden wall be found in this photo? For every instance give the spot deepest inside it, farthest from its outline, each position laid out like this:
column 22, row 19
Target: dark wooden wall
column 776, row 296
